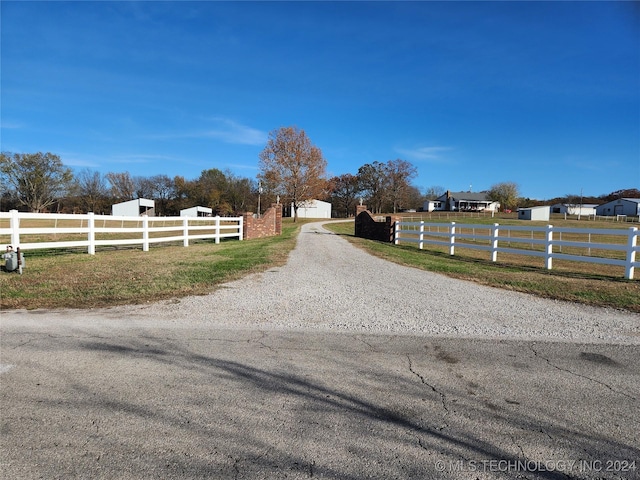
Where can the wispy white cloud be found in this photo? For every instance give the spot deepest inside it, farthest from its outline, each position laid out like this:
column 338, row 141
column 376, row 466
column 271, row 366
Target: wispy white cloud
column 75, row 160
column 11, row 125
column 426, row 154
column 223, row 129
column 239, row 166
column 230, row 131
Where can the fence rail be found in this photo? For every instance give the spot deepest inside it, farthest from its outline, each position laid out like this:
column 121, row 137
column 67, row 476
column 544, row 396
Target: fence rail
column 91, row 231
column 611, row 246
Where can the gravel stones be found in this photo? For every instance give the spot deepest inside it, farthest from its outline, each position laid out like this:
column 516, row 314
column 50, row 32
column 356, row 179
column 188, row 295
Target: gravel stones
column 329, row 284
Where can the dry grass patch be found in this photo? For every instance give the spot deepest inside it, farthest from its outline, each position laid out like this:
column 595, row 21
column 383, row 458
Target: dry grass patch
column 130, row 276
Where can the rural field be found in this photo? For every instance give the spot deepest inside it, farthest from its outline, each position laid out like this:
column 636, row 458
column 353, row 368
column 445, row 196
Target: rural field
column 119, row 276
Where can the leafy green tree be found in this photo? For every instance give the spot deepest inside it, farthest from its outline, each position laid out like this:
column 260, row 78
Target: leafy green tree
column 39, row 179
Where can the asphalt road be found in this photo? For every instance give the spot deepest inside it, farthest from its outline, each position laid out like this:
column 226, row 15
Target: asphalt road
column 107, row 395
column 129, row 401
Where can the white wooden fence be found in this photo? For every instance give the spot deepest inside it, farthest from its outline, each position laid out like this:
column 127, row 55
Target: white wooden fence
column 31, row 231
column 619, row 249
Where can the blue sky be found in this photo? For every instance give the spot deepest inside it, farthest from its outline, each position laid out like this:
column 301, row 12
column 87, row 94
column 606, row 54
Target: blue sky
column 544, row 94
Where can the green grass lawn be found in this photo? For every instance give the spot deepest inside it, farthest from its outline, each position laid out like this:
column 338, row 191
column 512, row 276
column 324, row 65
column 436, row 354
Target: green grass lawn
column 65, row 279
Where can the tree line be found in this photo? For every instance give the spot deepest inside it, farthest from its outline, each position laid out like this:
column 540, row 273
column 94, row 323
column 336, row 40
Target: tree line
column 292, row 171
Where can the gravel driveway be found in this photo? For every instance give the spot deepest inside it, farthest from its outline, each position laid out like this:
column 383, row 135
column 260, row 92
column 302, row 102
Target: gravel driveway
column 328, row 284
column 336, row 365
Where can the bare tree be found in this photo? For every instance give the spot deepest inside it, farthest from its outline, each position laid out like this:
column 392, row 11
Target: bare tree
column 39, row 179
column 374, row 182
column 143, row 187
column 434, row 192
column 345, row 191
column 163, row 189
column 293, row 166
column 399, row 174
column 123, row 187
column 92, row 191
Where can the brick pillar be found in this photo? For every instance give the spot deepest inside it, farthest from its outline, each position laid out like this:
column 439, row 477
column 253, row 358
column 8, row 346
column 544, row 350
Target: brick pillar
column 247, row 220
column 278, row 220
column 360, row 209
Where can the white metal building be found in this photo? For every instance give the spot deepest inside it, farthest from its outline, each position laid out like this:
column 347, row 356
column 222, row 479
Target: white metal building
column 534, row 213
column 196, row 212
column 623, row 206
column 573, row 209
column 134, row 208
column 313, row 209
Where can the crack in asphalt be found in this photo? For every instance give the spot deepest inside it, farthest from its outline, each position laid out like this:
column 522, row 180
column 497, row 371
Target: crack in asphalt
column 371, row 347
column 538, row 355
column 259, row 341
column 443, row 397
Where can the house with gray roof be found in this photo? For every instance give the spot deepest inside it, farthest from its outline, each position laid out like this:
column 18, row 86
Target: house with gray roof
column 461, row 202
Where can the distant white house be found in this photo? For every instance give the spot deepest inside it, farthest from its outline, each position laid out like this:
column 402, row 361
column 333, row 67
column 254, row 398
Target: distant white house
column 572, row 209
column 534, row 213
column 432, row 206
column 461, row 201
column 134, row 208
column 622, row 206
column 313, row 209
column 196, row 212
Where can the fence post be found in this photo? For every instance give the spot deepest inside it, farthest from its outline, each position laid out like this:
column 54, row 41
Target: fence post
column 421, row 233
column 91, row 225
column 145, row 233
column 631, row 252
column 452, row 238
column 549, row 248
column 396, row 233
column 217, row 229
column 494, row 242
column 240, row 228
column 185, row 231
column 15, row 229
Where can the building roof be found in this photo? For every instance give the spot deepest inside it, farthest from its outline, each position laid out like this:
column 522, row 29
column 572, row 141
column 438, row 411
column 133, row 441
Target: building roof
column 143, row 202
column 470, row 196
column 540, row 207
column 583, row 205
column 199, row 209
column 634, row 200
column 313, row 203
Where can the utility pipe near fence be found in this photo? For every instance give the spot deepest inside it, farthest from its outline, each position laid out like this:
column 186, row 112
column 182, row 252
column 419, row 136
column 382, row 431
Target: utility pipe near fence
column 414, row 232
column 185, row 229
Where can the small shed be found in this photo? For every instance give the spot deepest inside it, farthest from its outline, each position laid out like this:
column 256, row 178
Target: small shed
column 134, row 208
column 196, row 212
column 623, row 206
column 534, row 213
column 313, row 209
